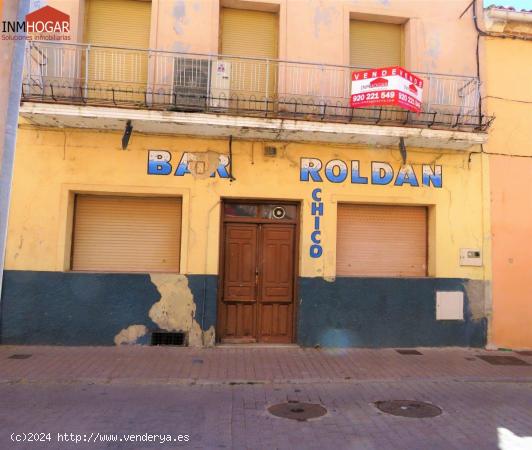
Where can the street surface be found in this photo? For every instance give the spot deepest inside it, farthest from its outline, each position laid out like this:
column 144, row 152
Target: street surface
column 162, row 397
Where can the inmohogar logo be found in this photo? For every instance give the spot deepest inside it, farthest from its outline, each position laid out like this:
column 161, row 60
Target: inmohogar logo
column 44, row 24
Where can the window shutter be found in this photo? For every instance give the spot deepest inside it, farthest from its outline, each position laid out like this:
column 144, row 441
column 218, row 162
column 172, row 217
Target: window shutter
column 387, row 241
column 122, row 23
column 126, row 234
column 249, row 33
column 375, row 44
column 118, row 23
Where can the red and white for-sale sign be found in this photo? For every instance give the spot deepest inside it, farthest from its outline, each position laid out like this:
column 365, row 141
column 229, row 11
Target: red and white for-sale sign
column 388, row 86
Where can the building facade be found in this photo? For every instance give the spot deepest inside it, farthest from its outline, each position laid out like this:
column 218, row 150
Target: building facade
column 508, row 94
column 219, row 184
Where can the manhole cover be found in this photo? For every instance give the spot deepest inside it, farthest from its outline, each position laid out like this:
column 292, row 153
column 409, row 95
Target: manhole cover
column 19, row 356
column 408, row 352
column 297, row 411
column 408, row 408
column 498, row 360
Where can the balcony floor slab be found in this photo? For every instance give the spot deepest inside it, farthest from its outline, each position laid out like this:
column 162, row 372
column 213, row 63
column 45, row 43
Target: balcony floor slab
column 252, row 128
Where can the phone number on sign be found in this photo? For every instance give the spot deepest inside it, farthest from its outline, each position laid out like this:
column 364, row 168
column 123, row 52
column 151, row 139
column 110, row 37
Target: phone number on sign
column 410, row 100
column 368, row 96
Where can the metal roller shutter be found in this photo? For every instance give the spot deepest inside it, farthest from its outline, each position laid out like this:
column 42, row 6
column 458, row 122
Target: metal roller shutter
column 388, row 241
column 126, row 234
column 375, row 44
column 249, row 33
column 118, row 23
column 122, row 23
column 252, row 34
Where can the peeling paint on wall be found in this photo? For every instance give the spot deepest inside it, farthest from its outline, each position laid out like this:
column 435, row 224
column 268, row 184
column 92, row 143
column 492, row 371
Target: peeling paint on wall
column 202, row 165
column 130, row 335
column 176, row 309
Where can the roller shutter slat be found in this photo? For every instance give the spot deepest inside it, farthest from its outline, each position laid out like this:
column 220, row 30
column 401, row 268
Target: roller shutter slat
column 126, row 234
column 375, row 240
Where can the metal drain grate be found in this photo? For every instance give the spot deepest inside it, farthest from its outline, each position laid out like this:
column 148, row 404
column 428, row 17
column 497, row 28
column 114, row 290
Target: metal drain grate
column 407, row 351
column 297, row 410
column 20, row 356
column 498, row 360
column 408, row 408
column 168, row 338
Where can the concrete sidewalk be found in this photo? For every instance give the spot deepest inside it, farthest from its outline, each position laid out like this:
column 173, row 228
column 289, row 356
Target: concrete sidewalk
column 254, row 364
column 220, row 397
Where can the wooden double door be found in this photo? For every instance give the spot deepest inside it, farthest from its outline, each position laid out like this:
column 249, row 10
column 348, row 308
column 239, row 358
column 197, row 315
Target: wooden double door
column 257, row 298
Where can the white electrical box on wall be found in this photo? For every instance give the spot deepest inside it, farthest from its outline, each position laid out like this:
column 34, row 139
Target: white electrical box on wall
column 449, row 305
column 470, row 257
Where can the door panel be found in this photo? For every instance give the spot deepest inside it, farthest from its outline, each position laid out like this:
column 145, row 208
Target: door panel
column 276, row 269
column 240, row 294
column 277, row 275
column 276, row 323
column 240, row 262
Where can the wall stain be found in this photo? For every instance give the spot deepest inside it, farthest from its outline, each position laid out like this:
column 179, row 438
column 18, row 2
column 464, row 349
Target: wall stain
column 179, row 13
column 433, row 51
column 477, row 293
column 323, row 18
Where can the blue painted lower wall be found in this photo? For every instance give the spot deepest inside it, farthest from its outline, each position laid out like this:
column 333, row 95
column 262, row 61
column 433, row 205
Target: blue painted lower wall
column 57, row 308
column 383, row 312
column 65, row 308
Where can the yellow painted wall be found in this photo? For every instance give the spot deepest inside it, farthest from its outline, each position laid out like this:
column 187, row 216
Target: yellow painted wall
column 316, row 30
column 508, row 90
column 51, row 164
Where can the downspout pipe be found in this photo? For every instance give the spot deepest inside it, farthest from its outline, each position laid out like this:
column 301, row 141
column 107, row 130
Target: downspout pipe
column 10, row 136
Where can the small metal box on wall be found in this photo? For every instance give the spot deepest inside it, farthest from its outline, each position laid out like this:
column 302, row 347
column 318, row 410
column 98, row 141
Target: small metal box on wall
column 470, row 257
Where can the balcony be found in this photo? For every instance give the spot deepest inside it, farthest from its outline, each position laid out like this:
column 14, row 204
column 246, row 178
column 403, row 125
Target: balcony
column 148, row 79
column 88, row 86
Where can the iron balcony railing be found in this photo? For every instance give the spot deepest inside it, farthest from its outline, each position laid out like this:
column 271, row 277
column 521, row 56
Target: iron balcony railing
column 153, row 79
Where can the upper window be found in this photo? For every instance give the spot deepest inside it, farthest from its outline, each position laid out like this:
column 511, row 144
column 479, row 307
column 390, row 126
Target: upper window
column 375, row 44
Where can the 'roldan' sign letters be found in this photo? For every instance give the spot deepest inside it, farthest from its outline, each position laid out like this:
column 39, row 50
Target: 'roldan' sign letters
column 381, row 173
